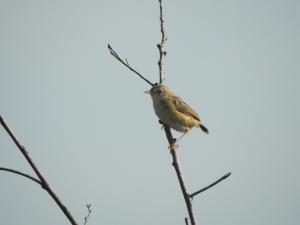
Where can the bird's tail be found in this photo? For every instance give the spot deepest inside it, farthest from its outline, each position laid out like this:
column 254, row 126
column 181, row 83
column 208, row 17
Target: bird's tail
column 203, row 128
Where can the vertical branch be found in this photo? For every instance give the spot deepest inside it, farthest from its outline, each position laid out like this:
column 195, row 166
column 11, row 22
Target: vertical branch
column 169, row 136
column 160, row 46
column 43, row 181
column 176, row 166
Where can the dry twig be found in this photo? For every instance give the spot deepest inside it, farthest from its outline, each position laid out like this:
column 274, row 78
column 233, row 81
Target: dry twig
column 88, row 206
column 114, row 54
column 160, row 46
column 211, row 185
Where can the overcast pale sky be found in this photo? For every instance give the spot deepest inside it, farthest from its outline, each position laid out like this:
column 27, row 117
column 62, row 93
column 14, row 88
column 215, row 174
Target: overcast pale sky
column 92, row 131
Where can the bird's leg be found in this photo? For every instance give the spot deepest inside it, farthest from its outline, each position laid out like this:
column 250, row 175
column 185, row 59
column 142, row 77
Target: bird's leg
column 184, row 133
column 182, row 136
column 175, row 145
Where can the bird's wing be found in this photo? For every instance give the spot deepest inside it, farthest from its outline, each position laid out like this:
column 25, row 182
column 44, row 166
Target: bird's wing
column 184, row 108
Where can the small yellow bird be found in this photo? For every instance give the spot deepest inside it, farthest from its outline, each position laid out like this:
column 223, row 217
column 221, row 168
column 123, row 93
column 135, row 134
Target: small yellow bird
column 173, row 111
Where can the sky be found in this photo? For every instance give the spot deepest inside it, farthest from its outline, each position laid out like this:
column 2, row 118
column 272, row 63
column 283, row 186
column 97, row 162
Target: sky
column 87, row 124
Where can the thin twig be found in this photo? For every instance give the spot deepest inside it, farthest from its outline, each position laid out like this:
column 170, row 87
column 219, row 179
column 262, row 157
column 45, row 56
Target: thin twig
column 114, row 54
column 43, row 181
column 175, row 163
column 160, row 46
column 22, row 174
column 88, row 206
column 209, row 186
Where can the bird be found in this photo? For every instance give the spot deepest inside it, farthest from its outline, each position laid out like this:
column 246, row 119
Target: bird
column 173, row 111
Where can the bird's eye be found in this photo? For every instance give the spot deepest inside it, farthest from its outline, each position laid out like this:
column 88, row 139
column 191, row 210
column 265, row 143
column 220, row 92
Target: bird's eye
column 158, row 91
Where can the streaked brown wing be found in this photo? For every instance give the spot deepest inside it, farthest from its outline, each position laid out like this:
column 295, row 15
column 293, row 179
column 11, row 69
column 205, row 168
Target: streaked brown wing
column 184, row 108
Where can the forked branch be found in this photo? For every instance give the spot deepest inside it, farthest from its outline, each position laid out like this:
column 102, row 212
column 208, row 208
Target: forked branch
column 42, row 181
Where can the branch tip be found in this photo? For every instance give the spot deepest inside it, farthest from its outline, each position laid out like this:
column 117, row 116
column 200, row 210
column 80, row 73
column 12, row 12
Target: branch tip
column 227, row 175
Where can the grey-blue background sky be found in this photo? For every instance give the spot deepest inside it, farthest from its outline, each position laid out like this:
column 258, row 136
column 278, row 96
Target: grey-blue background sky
column 91, row 130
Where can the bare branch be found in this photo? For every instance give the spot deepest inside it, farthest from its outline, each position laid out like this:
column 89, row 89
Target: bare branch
column 88, row 206
column 209, row 186
column 22, row 174
column 43, row 182
column 175, row 163
column 169, row 136
column 160, row 46
column 125, row 63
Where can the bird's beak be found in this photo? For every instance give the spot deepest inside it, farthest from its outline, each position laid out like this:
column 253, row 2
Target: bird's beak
column 147, row 92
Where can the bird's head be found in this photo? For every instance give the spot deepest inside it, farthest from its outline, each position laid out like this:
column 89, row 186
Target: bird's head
column 159, row 91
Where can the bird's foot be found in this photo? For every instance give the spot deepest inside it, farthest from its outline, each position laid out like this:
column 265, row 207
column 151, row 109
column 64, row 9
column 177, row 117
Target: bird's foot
column 173, row 146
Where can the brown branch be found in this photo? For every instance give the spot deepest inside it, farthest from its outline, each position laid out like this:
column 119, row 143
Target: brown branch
column 175, row 163
column 211, row 185
column 114, row 54
column 21, row 174
column 43, row 181
column 160, row 46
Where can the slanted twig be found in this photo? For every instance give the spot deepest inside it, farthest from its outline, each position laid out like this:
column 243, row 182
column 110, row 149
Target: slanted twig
column 125, row 63
column 42, row 180
column 211, row 185
column 21, row 174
